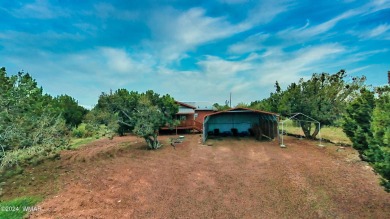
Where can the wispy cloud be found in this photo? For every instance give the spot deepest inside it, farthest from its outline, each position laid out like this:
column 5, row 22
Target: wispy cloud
column 40, row 9
column 250, row 44
column 120, row 62
column 358, row 56
column 106, row 10
column 254, row 76
column 358, row 70
column 265, row 11
column 377, row 5
column 309, row 31
column 377, row 31
column 213, row 81
column 216, row 67
column 176, row 32
column 233, row 1
column 298, row 63
column 191, row 51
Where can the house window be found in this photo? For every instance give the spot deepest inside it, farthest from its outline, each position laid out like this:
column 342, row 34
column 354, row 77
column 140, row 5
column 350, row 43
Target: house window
column 195, row 115
column 182, row 118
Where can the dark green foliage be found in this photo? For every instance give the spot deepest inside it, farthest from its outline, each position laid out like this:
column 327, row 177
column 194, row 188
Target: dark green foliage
column 96, row 118
column 323, row 97
column 270, row 104
column 149, row 120
column 30, row 124
column 381, row 119
column 143, row 114
column 82, row 131
column 380, row 142
column 357, row 120
column 221, row 107
column 120, row 102
column 70, row 110
column 367, row 124
column 242, row 105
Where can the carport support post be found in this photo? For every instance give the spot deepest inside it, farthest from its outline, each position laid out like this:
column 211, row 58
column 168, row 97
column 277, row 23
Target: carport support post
column 319, row 133
column 282, row 145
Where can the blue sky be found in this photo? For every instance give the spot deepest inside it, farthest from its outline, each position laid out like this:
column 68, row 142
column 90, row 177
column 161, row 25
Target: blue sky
column 194, row 50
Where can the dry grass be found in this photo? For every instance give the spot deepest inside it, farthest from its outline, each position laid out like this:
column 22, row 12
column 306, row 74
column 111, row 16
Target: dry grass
column 334, row 134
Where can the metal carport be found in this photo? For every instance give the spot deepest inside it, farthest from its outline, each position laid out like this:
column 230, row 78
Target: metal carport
column 242, row 120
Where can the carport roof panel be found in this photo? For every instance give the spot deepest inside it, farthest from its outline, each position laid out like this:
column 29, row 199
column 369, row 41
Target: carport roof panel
column 243, row 110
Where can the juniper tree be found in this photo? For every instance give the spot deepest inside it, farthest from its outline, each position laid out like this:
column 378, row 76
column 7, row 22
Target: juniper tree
column 143, row 114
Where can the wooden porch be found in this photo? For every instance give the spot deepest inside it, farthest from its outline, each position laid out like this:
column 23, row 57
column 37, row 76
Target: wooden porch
column 186, row 125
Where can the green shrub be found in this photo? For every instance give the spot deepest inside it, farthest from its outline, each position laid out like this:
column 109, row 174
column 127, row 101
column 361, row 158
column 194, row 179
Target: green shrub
column 30, row 156
column 82, row 131
column 380, row 142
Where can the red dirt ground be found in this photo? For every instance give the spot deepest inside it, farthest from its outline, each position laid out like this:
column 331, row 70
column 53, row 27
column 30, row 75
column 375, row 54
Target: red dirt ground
column 231, row 179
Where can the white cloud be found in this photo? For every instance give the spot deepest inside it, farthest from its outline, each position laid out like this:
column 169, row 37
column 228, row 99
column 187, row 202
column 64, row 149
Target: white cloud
column 308, row 31
column 106, row 10
column 356, row 56
column 358, row 70
column 175, row 35
column 251, row 78
column 118, row 60
column 213, row 81
column 377, row 31
column 85, row 74
column 289, row 67
column 250, row 44
column 267, row 10
column 40, row 9
column 216, row 67
column 233, row 2
column 377, row 5
column 176, row 32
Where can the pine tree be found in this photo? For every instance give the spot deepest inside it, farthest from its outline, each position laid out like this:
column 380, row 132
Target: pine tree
column 380, row 142
column 357, row 125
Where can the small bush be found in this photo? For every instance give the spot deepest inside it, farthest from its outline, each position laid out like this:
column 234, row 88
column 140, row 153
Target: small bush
column 82, row 131
column 33, row 155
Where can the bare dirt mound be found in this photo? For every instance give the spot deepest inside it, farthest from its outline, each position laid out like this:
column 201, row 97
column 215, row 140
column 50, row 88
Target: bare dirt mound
column 231, row 179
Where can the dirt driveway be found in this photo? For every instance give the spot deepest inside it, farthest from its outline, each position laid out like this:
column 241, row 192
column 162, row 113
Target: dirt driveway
column 231, row 179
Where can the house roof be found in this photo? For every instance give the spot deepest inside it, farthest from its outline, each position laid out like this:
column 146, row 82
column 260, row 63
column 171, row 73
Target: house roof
column 203, row 109
column 185, row 105
column 201, row 105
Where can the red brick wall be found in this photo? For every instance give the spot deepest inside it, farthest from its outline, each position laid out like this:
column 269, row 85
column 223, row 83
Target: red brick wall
column 202, row 114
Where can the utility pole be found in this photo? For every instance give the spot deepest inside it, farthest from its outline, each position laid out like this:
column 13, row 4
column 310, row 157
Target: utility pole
column 230, row 99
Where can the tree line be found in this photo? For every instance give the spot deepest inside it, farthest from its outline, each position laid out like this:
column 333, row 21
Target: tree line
column 33, row 124
column 339, row 100
column 367, row 124
column 140, row 113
